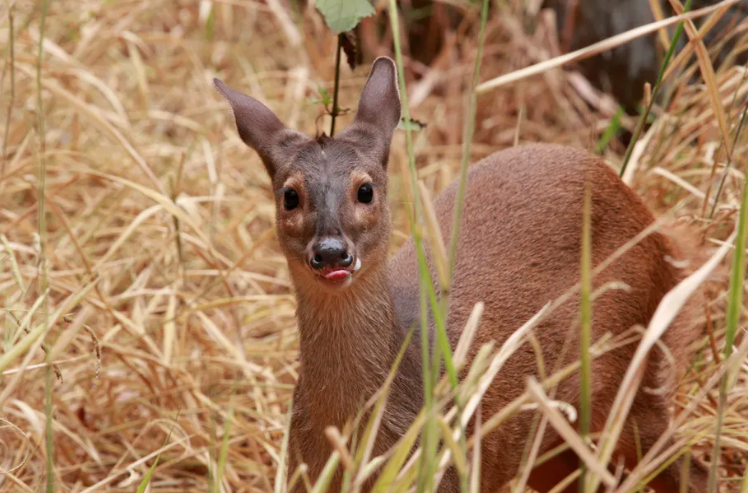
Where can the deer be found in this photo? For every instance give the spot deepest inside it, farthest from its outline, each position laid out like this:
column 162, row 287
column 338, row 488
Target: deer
column 519, row 247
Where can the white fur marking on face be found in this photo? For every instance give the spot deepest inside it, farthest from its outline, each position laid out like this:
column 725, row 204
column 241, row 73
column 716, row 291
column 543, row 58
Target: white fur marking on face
column 358, row 264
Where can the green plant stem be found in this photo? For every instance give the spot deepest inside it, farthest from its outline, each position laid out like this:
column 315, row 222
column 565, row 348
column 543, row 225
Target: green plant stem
column 655, row 91
column 430, row 429
column 334, row 113
column 585, row 336
column 42, row 224
column 429, row 436
column 613, row 127
column 467, row 142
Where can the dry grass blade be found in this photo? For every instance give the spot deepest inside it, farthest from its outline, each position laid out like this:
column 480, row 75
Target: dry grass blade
column 687, row 51
column 507, row 349
column 707, row 72
column 193, row 311
column 13, row 263
column 667, row 310
column 169, row 330
column 281, row 475
column 67, row 337
column 116, row 474
column 436, row 240
column 467, row 335
column 570, row 436
column 477, row 455
column 648, row 462
column 94, row 115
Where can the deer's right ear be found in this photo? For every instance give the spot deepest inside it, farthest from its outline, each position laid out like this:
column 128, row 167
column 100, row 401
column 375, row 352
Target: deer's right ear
column 258, row 126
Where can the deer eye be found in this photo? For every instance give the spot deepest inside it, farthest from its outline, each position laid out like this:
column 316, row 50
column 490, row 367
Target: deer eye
column 290, row 199
column 366, row 193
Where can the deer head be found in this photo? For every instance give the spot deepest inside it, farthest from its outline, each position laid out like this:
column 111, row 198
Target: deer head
column 332, row 217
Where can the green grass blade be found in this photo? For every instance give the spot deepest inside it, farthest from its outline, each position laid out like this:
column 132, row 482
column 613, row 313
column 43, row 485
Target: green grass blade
column 734, row 309
column 610, row 132
column 458, row 452
column 655, row 91
column 281, row 473
column 42, row 223
column 223, row 454
column 325, row 477
column 147, row 478
column 367, row 439
column 428, row 458
column 402, row 452
column 467, row 141
column 437, row 311
column 427, row 465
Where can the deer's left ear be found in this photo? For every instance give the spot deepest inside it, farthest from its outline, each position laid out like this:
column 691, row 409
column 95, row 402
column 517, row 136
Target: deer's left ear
column 378, row 111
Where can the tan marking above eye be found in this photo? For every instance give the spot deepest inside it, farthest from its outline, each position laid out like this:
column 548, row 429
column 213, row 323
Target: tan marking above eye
column 295, row 181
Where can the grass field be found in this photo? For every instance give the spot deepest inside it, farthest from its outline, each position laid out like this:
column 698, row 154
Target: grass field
column 144, row 303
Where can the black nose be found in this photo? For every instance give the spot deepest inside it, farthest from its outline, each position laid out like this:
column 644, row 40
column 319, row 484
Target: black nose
column 330, row 252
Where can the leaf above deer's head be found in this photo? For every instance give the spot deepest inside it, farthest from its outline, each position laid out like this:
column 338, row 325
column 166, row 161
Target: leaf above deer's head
column 331, row 205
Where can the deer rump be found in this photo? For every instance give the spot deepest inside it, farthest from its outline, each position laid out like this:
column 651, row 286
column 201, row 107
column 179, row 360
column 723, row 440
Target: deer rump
column 520, row 248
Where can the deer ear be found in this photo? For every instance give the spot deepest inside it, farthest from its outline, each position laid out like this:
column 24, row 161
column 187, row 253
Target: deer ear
column 378, row 111
column 380, row 100
column 258, row 126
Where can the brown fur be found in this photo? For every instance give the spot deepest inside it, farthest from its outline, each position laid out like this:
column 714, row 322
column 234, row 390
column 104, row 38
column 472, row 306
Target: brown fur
column 519, row 248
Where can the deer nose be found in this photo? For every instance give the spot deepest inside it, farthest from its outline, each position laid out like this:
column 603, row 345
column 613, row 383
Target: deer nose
column 330, row 252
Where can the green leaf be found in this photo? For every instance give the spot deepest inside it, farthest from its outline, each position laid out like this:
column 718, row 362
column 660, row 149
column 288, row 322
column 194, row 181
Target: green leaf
column 210, row 24
column 344, row 15
column 613, row 127
column 411, row 124
column 147, row 478
column 326, row 98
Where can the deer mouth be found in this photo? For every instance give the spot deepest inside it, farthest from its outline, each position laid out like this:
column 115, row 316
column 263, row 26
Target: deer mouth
column 339, row 275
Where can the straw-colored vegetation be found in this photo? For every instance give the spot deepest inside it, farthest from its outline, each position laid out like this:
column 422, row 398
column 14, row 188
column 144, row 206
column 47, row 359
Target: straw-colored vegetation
column 156, row 288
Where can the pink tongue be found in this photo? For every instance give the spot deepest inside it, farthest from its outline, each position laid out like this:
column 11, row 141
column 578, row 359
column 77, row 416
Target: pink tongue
column 337, row 274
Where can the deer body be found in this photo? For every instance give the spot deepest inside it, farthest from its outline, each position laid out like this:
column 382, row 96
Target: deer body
column 519, row 248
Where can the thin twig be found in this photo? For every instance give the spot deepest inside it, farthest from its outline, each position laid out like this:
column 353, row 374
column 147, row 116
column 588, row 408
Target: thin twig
column 335, row 111
column 729, row 162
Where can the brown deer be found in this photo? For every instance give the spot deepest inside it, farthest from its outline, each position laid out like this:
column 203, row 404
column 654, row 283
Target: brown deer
column 519, row 248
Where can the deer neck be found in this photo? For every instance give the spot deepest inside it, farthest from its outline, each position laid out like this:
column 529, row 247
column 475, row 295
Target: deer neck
column 349, row 341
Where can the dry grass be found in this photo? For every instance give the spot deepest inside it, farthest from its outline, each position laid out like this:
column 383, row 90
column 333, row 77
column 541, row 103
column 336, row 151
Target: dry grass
column 170, row 303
